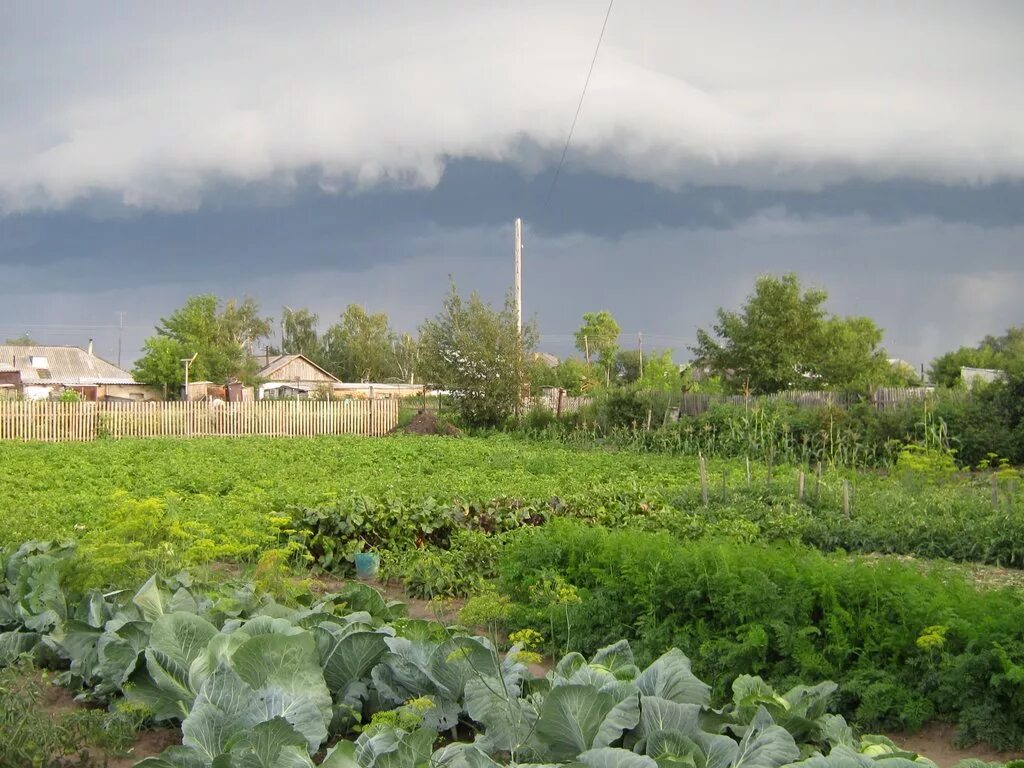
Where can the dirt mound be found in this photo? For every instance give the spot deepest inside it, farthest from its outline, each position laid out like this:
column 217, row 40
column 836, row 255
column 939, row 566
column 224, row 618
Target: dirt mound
column 426, row 423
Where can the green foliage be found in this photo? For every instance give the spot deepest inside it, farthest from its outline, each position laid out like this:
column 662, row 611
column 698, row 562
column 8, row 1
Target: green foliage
column 24, row 340
column 598, row 338
column 254, row 682
column 221, row 337
column 299, row 334
column 359, row 347
column 999, row 352
column 789, row 614
column 32, row 736
column 478, row 355
column 782, row 338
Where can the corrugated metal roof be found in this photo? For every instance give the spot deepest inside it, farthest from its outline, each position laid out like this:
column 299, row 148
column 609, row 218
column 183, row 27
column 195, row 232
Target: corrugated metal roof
column 68, row 366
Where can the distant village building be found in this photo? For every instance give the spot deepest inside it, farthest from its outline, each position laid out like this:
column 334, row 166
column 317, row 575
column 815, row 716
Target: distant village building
column 40, row 372
column 292, row 376
column 546, row 359
column 972, row 376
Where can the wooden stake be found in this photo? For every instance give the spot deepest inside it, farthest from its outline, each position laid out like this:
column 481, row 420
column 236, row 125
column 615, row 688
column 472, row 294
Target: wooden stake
column 817, row 483
column 800, row 485
column 703, row 481
column 995, row 491
column 725, row 484
column 748, row 471
column 846, row 498
column 649, row 412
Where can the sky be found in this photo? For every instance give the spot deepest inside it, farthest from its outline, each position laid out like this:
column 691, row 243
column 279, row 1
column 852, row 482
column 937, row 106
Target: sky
column 329, row 153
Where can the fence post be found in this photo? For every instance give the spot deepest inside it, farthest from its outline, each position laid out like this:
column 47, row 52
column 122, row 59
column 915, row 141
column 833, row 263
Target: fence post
column 703, row 481
column 748, row 472
column 800, row 485
column 846, row 498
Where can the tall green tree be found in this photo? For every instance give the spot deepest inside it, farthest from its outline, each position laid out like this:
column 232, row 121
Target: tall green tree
column 359, row 347
column 850, row 355
column 406, row 348
column 658, row 371
column 299, row 334
column 598, row 339
column 783, row 338
column 221, row 338
column 477, row 353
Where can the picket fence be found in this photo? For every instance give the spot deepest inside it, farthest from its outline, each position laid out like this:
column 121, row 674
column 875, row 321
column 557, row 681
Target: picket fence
column 46, row 421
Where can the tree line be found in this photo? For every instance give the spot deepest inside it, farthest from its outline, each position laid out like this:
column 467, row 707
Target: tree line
column 781, row 337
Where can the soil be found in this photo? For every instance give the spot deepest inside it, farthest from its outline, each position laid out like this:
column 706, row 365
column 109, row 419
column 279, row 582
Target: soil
column 445, row 610
column 58, row 701
column 426, row 423
column 936, row 743
column 978, row 574
column 147, row 744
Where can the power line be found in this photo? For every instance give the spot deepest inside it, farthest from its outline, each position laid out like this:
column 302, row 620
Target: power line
column 579, row 106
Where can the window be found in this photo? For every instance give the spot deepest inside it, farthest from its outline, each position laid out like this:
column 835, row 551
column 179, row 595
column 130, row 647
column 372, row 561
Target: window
column 39, row 361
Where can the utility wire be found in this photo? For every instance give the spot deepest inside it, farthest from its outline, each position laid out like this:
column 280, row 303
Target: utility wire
column 579, row 106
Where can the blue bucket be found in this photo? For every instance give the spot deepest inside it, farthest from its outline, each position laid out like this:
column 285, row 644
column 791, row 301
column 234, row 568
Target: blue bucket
column 367, row 564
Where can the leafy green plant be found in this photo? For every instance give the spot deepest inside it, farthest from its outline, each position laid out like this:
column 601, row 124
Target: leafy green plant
column 787, row 614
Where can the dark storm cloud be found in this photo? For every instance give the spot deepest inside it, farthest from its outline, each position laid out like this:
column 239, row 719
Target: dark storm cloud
column 264, row 232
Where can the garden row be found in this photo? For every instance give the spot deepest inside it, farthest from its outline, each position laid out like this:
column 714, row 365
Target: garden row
column 905, row 646
column 345, row 678
column 432, row 507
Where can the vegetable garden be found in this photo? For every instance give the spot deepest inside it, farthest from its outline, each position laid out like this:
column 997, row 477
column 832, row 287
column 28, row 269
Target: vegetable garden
column 709, row 613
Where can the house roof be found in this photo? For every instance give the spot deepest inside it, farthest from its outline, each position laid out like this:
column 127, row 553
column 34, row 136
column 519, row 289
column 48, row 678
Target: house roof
column 67, row 366
column 276, row 363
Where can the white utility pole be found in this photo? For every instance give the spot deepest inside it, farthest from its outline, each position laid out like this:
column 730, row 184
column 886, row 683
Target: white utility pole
column 188, row 361
column 519, row 275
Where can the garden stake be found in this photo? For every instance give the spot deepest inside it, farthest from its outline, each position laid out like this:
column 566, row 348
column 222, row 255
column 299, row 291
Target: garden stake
column 703, row 481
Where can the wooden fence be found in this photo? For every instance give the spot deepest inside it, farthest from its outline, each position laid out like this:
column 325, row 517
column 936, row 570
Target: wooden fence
column 74, row 422
column 694, row 404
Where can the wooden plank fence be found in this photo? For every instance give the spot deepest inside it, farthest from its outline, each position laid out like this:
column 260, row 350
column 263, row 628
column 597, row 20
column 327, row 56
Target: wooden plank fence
column 47, row 421
column 694, row 403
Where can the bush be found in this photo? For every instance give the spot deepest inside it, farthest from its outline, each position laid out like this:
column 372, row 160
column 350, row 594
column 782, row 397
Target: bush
column 788, row 613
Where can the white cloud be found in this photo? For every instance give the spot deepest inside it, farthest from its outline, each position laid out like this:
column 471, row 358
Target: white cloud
column 152, row 106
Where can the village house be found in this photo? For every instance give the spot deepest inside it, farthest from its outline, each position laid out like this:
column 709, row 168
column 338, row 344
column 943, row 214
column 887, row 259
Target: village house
column 292, row 376
column 40, row 372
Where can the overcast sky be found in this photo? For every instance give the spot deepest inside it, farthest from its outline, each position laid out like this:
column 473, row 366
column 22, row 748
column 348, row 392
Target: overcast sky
column 321, row 154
